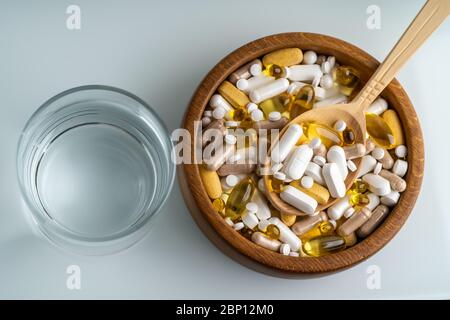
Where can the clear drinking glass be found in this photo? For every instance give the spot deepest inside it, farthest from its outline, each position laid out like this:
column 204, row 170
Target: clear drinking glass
column 94, row 166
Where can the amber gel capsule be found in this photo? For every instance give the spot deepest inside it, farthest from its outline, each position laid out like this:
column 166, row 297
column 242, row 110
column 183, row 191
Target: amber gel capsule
column 239, row 197
column 379, row 131
column 347, row 78
column 321, row 246
column 327, row 135
column 325, row 228
column 304, row 101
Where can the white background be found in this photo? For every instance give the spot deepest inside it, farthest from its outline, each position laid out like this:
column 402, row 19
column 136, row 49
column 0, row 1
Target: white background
column 160, row 51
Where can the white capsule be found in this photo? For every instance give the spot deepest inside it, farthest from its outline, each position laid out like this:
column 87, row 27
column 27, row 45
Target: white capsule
column 316, row 81
column 299, row 200
column 286, row 234
column 326, row 81
column 206, row 121
column 378, row 106
column 349, row 212
column 340, row 125
column 337, row 99
column 315, row 143
column 351, row 166
column 390, row 199
column 250, row 220
column 367, row 165
column 229, row 221
column 255, row 69
column 265, row 242
column 251, row 107
column 217, row 101
column 276, row 167
column 263, row 211
column 378, row 153
column 229, row 182
column 262, row 185
column 274, row 116
column 279, row 176
column 337, row 210
column 285, row 249
column 307, row 182
column 333, row 180
column 377, row 184
column 314, row 171
column 401, row 151
column 238, row 226
column 374, row 201
column 296, row 165
column 325, row 67
column 247, row 85
column 219, row 113
column 377, row 168
column 284, row 145
column 294, row 254
column 336, row 155
column 304, row 72
column 257, row 115
column 269, row 90
column 309, row 57
column 400, row 167
column 332, row 61
column 320, row 161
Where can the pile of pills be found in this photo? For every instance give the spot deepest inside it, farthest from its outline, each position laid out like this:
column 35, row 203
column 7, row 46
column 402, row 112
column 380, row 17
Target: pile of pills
column 308, row 164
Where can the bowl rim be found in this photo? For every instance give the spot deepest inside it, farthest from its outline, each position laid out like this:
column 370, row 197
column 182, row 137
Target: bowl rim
column 394, row 94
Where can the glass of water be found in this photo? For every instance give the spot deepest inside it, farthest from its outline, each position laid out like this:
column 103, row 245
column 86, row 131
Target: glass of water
column 94, row 166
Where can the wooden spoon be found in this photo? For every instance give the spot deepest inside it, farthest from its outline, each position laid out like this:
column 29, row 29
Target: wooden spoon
column 433, row 13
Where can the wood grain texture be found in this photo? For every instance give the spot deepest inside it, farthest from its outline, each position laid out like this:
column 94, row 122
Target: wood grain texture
column 346, row 54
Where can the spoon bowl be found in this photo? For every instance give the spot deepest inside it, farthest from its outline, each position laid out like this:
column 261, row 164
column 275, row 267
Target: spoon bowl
column 327, row 116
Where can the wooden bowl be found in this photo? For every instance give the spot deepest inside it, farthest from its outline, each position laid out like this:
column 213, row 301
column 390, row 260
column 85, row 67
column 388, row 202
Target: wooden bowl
column 246, row 251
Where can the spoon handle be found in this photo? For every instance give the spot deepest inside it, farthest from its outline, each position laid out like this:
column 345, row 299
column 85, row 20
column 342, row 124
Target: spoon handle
column 429, row 18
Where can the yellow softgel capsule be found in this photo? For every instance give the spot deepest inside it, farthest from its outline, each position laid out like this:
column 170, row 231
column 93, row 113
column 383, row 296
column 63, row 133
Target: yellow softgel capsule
column 323, row 245
column 347, row 78
column 275, row 185
column 348, row 137
column 359, row 186
column 358, row 200
column 393, row 121
column 278, row 103
column 283, row 57
column 303, row 101
column 273, row 232
column 219, row 205
column 276, row 71
column 379, row 131
column 241, row 195
column 288, row 219
column 325, row 228
column 327, row 135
